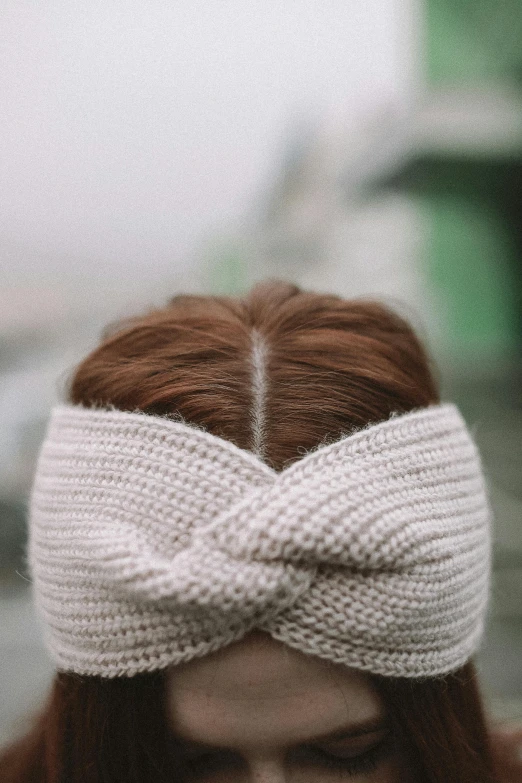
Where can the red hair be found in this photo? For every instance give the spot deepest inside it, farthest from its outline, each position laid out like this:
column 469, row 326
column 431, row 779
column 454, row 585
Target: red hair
column 330, row 366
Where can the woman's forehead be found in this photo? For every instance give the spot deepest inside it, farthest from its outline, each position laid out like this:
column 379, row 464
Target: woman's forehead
column 259, row 691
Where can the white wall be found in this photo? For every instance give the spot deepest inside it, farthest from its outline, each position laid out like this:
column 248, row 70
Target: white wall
column 133, row 130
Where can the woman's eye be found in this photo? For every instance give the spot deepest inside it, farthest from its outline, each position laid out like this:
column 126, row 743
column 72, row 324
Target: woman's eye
column 202, row 765
column 365, row 762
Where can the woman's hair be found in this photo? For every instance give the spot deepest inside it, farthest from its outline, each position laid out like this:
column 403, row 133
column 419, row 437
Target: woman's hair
column 278, row 372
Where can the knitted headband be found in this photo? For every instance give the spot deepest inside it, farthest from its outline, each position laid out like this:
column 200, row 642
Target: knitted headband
column 153, row 542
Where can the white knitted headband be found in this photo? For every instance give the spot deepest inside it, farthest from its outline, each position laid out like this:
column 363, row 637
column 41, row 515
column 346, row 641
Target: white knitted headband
column 153, row 542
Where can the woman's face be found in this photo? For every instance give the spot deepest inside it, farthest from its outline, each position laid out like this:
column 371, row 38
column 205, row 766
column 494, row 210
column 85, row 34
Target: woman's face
column 261, row 711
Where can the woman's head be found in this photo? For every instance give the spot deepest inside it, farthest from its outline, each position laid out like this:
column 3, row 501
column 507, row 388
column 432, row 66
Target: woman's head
column 277, row 373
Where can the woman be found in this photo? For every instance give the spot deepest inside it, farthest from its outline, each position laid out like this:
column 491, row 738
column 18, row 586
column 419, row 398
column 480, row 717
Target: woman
column 284, row 451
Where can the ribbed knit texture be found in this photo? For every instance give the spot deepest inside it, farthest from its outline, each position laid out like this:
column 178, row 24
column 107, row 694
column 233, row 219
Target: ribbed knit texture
column 153, row 542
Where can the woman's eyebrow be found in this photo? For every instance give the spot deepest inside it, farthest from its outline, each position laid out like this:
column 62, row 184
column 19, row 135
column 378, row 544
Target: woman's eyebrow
column 373, row 726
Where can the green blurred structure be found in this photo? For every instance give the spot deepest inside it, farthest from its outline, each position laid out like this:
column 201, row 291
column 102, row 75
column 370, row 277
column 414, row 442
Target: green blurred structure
column 474, row 42
column 466, row 174
column 226, row 267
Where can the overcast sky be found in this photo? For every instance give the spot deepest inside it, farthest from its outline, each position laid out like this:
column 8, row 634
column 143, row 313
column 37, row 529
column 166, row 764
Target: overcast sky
column 131, row 131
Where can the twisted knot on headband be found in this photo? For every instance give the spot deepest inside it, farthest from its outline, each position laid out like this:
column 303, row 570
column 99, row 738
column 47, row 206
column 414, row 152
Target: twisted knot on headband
column 153, row 542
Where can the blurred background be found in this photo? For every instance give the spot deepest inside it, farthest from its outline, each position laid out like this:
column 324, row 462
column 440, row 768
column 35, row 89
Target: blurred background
column 364, row 149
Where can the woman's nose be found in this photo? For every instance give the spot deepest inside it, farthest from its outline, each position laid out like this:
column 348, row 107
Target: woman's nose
column 267, row 770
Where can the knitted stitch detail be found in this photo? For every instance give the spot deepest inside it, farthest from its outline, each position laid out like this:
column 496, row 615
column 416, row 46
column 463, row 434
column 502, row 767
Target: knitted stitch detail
column 153, row 542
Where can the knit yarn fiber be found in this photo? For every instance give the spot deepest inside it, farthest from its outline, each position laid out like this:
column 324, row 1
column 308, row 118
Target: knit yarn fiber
column 153, row 542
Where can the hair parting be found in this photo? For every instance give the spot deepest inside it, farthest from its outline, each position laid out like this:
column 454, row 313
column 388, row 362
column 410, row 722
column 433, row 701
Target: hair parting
column 259, row 392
